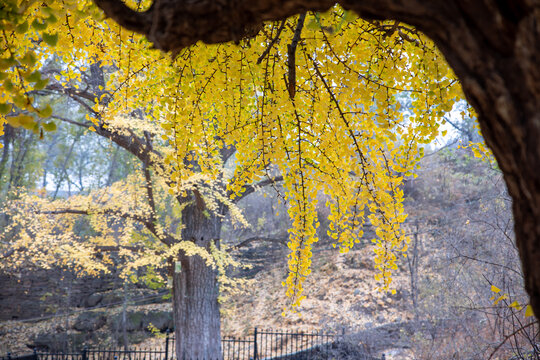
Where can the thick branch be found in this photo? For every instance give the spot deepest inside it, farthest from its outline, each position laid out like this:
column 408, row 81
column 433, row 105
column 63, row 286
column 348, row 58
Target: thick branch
column 127, row 17
column 173, row 25
column 291, row 52
column 150, row 195
column 139, row 149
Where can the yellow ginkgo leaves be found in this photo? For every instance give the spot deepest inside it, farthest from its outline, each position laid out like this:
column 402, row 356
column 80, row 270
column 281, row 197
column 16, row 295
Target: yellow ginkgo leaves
column 498, row 297
column 365, row 102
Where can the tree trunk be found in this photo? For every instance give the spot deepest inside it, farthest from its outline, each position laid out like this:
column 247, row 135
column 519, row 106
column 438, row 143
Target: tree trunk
column 195, row 289
column 8, row 137
column 492, row 45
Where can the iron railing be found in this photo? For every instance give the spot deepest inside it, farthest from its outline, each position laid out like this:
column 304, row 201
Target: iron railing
column 260, row 345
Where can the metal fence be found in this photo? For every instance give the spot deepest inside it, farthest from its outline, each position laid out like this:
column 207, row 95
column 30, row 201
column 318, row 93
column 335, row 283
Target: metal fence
column 92, row 354
column 279, row 344
column 260, row 345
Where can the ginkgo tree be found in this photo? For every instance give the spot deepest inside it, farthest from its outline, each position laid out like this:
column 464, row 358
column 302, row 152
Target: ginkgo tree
column 135, row 222
column 492, row 46
column 314, row 96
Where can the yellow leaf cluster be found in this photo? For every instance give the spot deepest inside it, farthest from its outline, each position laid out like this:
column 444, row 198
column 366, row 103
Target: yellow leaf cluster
column 333, row 122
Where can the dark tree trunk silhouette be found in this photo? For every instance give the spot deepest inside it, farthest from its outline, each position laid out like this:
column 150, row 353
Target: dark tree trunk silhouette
column 492, row 45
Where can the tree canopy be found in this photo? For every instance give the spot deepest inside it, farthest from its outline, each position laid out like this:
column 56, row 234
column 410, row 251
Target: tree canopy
column 283, row 102
column 318, row 97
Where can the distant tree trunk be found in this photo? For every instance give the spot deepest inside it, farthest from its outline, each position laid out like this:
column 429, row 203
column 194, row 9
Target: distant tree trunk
column 8, row 136
column 412, row 261
column 16, row 175
column 195, row 288
column 124, row 316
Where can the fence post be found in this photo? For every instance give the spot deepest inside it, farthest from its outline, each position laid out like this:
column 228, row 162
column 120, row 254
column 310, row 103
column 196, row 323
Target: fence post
column 84, row 353
column 255, row 354
column 35, row 354
column 9, row 356
column 167, row 345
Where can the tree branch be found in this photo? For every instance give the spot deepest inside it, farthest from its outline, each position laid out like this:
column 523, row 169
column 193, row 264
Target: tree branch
column 291, row 52
column 173, row 25
column 249, row 189
column 272, row 43
column 150, row 194
column 115, row 212
column 146, row 221
column 281, row 241
column 128, row 18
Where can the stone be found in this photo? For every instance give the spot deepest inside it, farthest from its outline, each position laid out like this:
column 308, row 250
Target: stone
column 32, row 293
column 50, row 342
column 162, row 320
column 93, row 300
column 133, row 321
column 90, row 321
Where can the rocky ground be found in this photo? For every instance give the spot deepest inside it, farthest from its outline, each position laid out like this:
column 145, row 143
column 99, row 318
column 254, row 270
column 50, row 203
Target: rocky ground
column 341, row 296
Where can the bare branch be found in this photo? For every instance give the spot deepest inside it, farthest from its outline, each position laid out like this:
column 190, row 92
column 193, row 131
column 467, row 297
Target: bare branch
column 148, row 222
column 281, row 241
column 249, row 189
column 115, row 212
column 69, row 121
column 272, row 43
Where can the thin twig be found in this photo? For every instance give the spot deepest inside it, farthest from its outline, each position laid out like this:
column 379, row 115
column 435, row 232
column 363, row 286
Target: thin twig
column 272, row 43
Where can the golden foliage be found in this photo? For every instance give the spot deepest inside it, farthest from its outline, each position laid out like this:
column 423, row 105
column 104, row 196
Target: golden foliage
column 332, row 119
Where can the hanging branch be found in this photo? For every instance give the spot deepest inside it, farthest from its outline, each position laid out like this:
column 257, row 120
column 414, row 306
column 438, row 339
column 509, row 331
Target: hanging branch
column 291, row 52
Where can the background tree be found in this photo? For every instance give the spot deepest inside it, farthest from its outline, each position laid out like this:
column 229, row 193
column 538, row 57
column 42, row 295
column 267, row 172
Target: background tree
column 129, row 216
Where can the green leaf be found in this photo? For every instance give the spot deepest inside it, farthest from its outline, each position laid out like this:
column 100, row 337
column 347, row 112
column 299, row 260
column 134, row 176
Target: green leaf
column 26, row 121
column 36, row 24
column 34, row 77
column 5, row 108
column 313, row 25
column 22, row 28
column 41, row 84
column 20, row 100
column 48, row 10
column 8, row 85
column 46, row 112
column 29, row 59
column 349, row 16
column 50, row 126
column 50, row 39
column 7, row 63
column 51, row 19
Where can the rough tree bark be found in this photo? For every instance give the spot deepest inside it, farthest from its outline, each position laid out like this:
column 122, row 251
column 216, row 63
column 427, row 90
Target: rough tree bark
column 492, row 45
column 195, row 288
